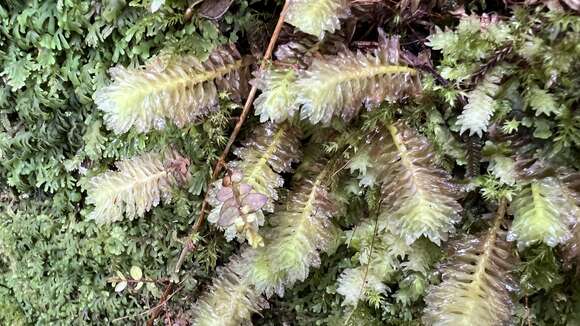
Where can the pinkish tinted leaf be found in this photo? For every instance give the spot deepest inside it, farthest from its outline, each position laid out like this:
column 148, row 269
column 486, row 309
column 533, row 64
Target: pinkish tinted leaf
column 245, row 188
column 254, row 201
column 224, row 194
column 228, row 213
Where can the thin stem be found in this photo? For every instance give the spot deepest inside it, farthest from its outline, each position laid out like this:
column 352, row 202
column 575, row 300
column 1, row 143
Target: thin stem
column 364, row 280
column 189, row 246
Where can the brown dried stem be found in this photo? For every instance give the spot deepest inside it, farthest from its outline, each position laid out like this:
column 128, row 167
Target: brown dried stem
column 189, row 246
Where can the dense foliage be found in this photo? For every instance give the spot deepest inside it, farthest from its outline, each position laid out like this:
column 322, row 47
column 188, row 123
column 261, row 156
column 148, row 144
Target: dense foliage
column 406, row 163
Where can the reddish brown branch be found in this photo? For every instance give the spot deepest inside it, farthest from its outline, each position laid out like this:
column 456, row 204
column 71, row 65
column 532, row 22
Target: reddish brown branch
column 189, row 246
column 157, row 309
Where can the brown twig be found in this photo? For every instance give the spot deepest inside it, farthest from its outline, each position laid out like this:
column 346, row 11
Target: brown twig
column 163, row 301
column 189, row 246
column 155, row 311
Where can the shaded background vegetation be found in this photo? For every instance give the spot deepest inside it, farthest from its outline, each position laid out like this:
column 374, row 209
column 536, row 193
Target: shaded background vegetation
column 56, row 265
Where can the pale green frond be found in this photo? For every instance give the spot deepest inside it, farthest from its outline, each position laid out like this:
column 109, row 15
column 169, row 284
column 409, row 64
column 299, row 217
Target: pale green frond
column 136, row 186
column 230, row 301
column 362, row 164
column 355, row 283
column 340, row 85
column 541, row 214
column 179, row 90
column 542, row 102
column 277, row 102
column 381, row 257
column 418, row 198
column 271, row 150
column 317, row 17
column 476, row 283
column 301, row 230
column 481, row 105
column 421, row 256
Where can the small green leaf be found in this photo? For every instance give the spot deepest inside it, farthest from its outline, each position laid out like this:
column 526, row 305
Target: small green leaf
column 139, row 285
column 542, row 102
column 120, row 286
column 156, row 5
column 542, row 130
column 136, row 273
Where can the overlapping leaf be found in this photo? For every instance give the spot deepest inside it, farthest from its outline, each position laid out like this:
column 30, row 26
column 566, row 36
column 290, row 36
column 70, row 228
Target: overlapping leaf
column 476, row 282
column 277, row 102
column 252, row 187
column 136, row 186
column 317, row 17
column 382, row 255
column 418, row 198
column 379, row 259
column 340, row 85
column 180, row 90
column 231, row 300
column 301, row 230
column 542, row 213
column 336, row 85
column 481, row 105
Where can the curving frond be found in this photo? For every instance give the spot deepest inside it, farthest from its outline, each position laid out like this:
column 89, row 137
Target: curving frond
column 317, row 17
column 301, row 230
column 136, row 186
column 229, row 301
column 252, row 188
column 418, row 198
column 181, row 90
column 481, row 104
column 340, row 85
column 277, row 102
column 476, row 282
column 542, row 213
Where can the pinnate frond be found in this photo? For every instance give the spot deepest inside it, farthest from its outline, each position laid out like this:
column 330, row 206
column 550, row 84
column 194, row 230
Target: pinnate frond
column 340, row 85
column 476, row 282
column 542, row 213
column 136, row 186
column 301, row 230
column 180, row 90
column 418, row 198
column 317, row 17
column 229, row 301
column 382, row 255
column 252, row 188
column 481, row 105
